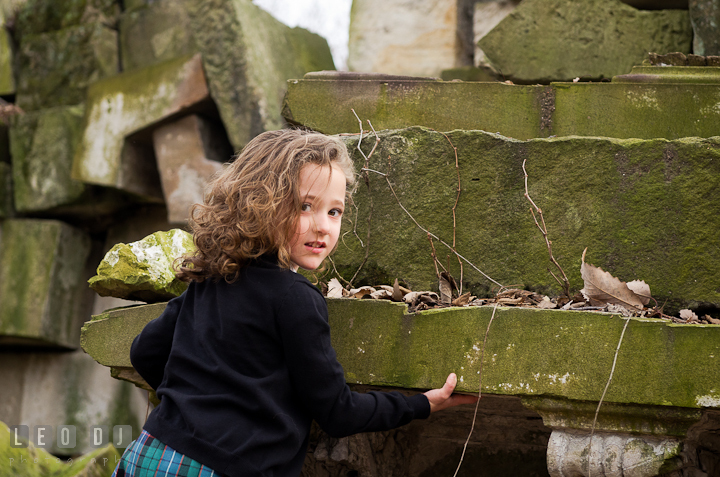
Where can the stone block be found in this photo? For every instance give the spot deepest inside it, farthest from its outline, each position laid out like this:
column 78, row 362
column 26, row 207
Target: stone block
column 155, row 33
column 187, row 158
column 705, row 18
column 558, row 40
column 248, row 56
column 54, row 389
column 42, row 290
column 56, row 68
column 615, row 110
column 642, row 207
column 486, row 16
column 143, row 270
column 7, row 74
column 41, row 16
column 125, row 104
column 43, row 146
column 6, row 200
column 417, row 39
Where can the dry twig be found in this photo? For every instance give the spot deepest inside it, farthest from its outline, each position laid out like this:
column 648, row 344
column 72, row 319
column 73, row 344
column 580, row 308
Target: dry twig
column 543, row 229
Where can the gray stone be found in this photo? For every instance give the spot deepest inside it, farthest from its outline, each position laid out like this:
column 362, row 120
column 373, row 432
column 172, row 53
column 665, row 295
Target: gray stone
column 155, row 33
column 44, row 144
column 248, row 56
column 486, row 17
column 43, row 297
column 6, row 201
column 128, row 103
column 705, row 18
column 559, row 40
column 55, row 68
column 419, row 38
column 187, row 160
column 67, row 389
column 143, row 270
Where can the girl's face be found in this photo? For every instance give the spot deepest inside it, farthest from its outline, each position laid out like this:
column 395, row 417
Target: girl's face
column 318, row 229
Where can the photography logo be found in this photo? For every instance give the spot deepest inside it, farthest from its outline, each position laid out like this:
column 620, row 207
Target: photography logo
column 65, row 436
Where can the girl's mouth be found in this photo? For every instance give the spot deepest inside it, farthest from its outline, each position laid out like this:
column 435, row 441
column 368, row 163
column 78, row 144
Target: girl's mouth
column 315, row 247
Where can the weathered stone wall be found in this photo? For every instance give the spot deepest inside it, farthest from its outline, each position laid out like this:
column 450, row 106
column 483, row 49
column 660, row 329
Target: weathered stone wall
column 115, row 115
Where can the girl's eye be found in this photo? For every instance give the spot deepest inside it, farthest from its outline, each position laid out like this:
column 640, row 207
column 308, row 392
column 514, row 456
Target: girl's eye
column 335, row 213
column 306, row 207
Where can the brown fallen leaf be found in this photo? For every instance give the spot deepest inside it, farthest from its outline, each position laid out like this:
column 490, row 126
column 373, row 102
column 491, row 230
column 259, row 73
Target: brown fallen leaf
column 445, row 289
column 397, row 294
column 463, row 299
column 601, row 288
column 641, row 289
column 381, row 294
column 688, row 315
column 711, row 320
column 546, row 304
column 362, row 291
column 335, row 289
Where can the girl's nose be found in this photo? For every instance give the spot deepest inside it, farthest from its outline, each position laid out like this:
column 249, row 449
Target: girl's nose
column 322, row 224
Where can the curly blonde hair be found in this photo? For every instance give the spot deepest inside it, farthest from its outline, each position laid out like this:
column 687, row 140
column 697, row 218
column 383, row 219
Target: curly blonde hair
column 252, row 208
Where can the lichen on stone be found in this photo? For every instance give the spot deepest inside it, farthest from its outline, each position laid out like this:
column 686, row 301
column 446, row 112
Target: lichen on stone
column 143, row 270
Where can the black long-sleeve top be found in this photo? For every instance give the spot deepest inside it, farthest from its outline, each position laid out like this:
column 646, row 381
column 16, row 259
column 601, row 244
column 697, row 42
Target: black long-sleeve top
column 242, row 369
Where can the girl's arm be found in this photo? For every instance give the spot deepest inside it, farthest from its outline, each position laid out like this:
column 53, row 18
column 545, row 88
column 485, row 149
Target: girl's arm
column 150, row 350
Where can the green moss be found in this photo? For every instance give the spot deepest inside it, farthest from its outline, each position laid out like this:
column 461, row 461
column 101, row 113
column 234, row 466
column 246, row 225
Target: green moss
column 41, row 173
column 529, row 352
column 7, row 75
column 639, row 206
column 6, row 200
column 107, row 339
column 39, row 16
column 55, row 69
column 41, row 264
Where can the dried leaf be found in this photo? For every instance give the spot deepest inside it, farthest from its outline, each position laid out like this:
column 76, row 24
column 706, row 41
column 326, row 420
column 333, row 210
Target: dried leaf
column 641, row 289
column 445, row 289
column 463, row 299
column 397, row 294
column 381, row 294
column 613, row 308
column 546, row 304
column 601, row 288
column 712, row 320
column 335, row 289
column 362, row 291
column 688, row 315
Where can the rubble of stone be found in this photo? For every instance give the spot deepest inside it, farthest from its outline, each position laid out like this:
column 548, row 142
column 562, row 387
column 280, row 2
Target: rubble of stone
column 143, row 270
column 114, row 115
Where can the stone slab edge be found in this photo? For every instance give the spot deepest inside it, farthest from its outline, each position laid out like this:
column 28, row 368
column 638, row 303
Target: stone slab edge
column 529, row 352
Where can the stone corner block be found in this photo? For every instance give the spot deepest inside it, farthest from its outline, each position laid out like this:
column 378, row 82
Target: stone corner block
column 42, row 292
column 125, row 104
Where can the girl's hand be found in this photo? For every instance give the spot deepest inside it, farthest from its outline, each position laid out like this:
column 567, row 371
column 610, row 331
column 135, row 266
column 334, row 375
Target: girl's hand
column 443, row 398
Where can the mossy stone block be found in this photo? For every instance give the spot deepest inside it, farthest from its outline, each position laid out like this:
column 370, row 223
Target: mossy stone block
column 107, row 337
column 523, row 112
column 35, row 462
column 558, row 40
column 325, row 105
column 56, row 68
column 644, row 208
column 7, row 74
column 42, row 295
column 44, row 147
column 248, row 56
column 143, row 270
column 6, row 200
column 529, row 352
column 155, row 33
column 124, row 104
column 42, row 16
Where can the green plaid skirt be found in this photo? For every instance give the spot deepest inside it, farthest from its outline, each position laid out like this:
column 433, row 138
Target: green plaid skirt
column 147, row 456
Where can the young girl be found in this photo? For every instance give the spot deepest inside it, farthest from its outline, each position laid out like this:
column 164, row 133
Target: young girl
column 242, row 361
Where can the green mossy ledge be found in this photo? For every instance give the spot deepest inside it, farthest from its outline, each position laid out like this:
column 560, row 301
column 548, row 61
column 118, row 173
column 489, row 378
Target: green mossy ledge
column 645, row 209
column 618, row 110
column 529, row 352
